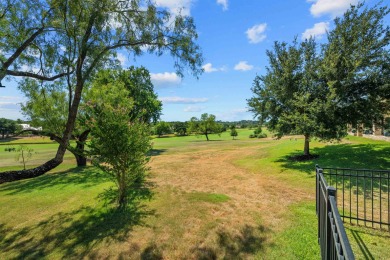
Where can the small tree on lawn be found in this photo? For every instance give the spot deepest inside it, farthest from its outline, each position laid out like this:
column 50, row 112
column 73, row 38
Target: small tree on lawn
column 119, row 147
column 205, row 125
column 233, row 132
column 24, row 154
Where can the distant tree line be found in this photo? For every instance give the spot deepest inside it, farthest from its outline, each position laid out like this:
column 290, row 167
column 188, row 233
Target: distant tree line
column 180, row 128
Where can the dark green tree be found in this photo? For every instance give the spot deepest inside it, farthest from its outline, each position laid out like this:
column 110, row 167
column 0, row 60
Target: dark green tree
column 180, row 128
column 162, row 128
column 119, row 146
column 205, row 125
column 8, row 126
column 290, row 96
column 233, row 132
column 356, row 64
column 80, row 37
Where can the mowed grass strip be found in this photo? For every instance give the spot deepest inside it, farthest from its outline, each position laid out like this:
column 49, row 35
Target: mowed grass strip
column 220, row 199
column 208, row 197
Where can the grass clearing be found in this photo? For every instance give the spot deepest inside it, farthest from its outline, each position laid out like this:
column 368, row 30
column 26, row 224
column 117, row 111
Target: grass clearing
column 220, row 199
column 208, row 197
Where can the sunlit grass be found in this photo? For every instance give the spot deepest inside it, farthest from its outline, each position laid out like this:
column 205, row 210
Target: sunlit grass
column 219, row 199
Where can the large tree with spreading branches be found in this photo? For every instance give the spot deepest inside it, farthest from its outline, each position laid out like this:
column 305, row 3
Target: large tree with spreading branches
column 70, row 40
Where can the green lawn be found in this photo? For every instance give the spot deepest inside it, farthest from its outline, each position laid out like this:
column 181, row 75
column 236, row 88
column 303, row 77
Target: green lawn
column 219, row 199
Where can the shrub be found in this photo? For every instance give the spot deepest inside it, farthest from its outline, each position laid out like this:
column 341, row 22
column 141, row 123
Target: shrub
column 257, row 130
column 262, row 135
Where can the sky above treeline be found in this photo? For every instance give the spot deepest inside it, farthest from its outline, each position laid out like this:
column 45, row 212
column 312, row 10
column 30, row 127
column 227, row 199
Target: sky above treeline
column 234, row 36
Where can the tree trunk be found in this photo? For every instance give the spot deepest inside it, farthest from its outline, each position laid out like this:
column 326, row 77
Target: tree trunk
column 306, row 149
column 207, row 137
column 57, row 160
column 30, row 173
column 80, row 155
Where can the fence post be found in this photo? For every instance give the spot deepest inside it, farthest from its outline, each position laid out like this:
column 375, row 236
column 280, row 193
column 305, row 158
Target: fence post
column 318, row 201
column 330, row 191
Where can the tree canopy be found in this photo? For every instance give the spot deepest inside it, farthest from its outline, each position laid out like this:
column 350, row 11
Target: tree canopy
column 72, row 40
column 48, row 107
column 205, row 125
column 316, row 93
column 162, row 128
column 119, row 146
column 8, row 126
column 356, row 64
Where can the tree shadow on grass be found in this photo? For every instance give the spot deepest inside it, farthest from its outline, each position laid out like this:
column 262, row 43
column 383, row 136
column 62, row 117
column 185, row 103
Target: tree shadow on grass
column 156, row 152
column 357, row 156
column 246, row 243
column 71, row 234
column 367, row 249
column 83, row 176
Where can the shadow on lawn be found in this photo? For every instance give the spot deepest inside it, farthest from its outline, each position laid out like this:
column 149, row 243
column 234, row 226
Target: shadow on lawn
column 249, row 241
column 156, row 152
column 358, row 156
column 83, row 176
column 72, row 234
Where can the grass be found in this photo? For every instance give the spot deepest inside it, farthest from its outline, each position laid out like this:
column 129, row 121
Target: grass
column 225, row 198
column 208, row 197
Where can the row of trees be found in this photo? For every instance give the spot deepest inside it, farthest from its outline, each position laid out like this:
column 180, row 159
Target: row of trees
column 8, row 127
column 205, row 125
column 315, row 90
column 184, row 128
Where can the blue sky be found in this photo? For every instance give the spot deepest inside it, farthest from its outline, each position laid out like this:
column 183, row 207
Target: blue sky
column 234, row 36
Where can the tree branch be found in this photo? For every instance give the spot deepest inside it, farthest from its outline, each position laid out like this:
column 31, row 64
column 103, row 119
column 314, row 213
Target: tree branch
column 34, row 75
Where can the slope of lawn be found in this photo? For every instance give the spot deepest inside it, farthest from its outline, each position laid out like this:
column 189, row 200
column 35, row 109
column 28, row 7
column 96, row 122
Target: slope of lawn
column 220, row 199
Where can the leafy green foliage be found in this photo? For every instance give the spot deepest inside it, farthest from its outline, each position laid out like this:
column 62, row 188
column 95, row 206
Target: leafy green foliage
column 316, row 95
column 162, row 128
column 233, row 132
column 205, row 125
column 8, row 126
column 24, row 154
column 119, row 146
column 72, row 40
column 146, row 106
column 290, row 96
column 356, row 66
column 180, row 128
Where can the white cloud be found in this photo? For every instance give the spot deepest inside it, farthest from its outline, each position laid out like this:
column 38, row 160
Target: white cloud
column 10, row 107
column 256, row 33
column 243, row 66
column 224, row 4
column 318, row 30
column 208, row 68
column 176, row 6
column 331, row 7
column 122, row 58
column 182, row 100
column 234, row 115
column 166, row 78
column 193, row 109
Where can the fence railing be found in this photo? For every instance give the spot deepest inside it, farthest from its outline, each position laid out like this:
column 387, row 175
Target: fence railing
column 363, row 196
column 332, row 238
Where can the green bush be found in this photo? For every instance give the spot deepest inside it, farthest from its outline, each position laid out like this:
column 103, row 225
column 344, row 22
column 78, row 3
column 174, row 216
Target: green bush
column 257, row 130
column 262, row 135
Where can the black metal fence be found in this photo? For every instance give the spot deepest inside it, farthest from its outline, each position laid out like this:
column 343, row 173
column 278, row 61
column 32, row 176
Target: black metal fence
column 332, row 238
column 363, row 196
